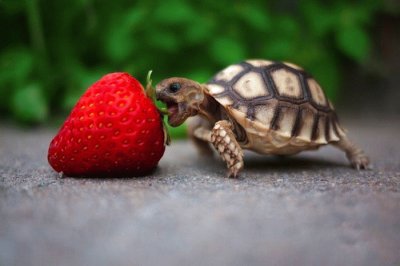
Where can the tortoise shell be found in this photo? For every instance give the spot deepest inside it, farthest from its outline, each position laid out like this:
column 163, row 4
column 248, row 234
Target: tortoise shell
column 279, row 97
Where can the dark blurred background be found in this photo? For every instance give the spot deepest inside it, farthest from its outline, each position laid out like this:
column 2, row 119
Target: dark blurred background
column 51, row 51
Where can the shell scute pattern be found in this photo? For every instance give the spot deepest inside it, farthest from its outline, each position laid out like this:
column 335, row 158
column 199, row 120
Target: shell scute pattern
column 287, row 84
column 250, row 86
column 276, row 97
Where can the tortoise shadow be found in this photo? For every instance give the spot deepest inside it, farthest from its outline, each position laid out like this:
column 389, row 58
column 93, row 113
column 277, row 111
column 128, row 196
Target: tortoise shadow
column 291, row 162
column 277, row 163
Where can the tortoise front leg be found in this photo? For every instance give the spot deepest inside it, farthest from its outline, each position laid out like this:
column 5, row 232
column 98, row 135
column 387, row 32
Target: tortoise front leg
column 229, row 149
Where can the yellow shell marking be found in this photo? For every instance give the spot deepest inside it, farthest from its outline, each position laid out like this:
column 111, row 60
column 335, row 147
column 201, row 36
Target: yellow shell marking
column 259, row 63
column 317, row 93
column 306, row 125
column 293, row 66
column 251, row 85
column 265, row 113
column 287, row 83
column 286, row 121
column 215, row 89
column 228, row 73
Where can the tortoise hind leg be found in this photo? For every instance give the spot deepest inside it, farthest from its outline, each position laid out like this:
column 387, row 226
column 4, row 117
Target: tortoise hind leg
column 355, row 155
column 229, row 149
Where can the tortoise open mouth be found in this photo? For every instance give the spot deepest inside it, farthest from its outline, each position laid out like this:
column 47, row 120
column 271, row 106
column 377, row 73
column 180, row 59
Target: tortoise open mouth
column 172, row 107
column 175, row 117
column 174, row 112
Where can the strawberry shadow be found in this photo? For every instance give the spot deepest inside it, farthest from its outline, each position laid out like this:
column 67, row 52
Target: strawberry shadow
column 112, row 176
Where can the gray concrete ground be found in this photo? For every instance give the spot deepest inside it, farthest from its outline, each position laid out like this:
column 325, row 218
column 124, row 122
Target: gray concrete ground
column 310, row 209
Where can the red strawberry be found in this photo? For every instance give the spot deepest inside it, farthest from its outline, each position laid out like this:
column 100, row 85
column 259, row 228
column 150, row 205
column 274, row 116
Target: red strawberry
column 114, row 129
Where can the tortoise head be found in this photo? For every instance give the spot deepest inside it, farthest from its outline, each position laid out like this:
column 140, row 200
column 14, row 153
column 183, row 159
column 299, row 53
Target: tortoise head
column 182, row 97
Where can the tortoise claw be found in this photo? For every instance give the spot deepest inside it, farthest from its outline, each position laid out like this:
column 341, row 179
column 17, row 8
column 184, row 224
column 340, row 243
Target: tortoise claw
column 234, row 170
column 357, row 158
column 361, row 161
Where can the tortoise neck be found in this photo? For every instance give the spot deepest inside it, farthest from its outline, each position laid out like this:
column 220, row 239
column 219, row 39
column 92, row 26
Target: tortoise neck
column 209, row 108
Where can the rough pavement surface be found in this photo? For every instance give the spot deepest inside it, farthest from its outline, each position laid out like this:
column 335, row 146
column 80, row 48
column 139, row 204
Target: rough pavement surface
column 310, row 209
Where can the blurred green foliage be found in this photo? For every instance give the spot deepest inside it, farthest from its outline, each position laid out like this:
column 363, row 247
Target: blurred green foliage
column 51, row 51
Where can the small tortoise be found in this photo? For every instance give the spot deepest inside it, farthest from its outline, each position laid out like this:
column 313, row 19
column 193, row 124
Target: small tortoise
column 265, row 106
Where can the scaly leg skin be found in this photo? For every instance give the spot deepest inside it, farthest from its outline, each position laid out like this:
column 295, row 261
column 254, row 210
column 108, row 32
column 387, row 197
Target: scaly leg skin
column 229, row 149
column 356, row 156
column 200, row 135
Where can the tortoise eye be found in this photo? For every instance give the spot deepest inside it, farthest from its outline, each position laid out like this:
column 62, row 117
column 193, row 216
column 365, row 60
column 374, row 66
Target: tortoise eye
column 174, row 87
